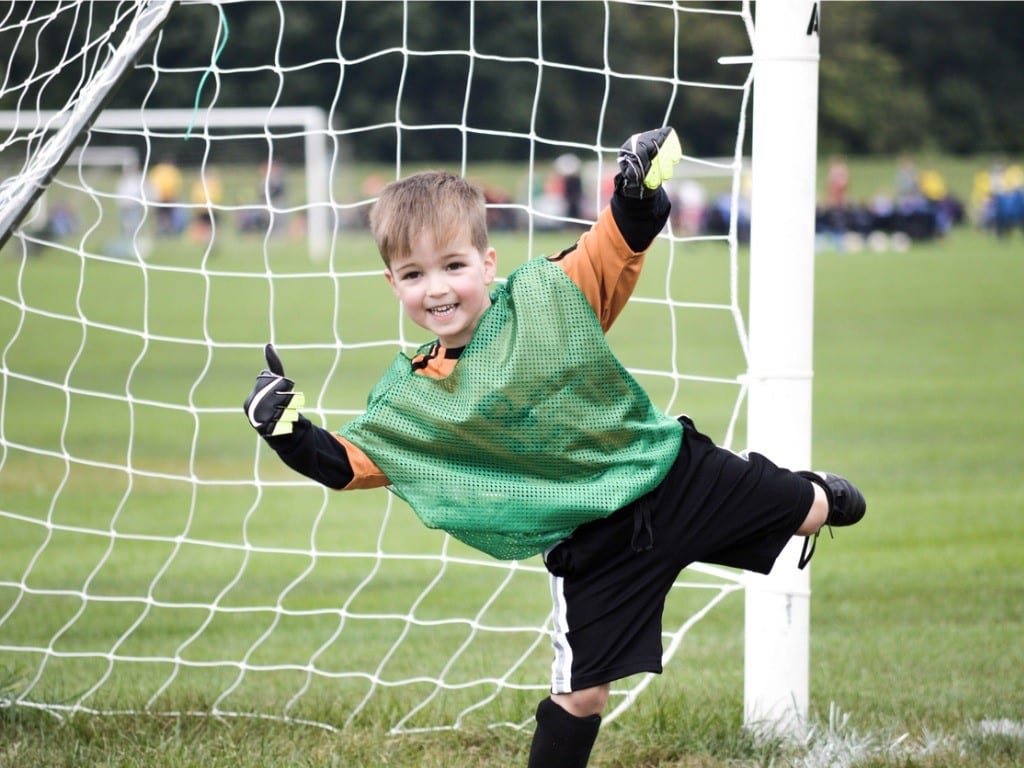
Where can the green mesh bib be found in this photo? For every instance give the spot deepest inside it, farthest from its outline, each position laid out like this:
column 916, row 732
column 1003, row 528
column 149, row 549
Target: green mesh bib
column 538, row 429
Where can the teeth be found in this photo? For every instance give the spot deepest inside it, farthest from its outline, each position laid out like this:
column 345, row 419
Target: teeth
column 442, row 310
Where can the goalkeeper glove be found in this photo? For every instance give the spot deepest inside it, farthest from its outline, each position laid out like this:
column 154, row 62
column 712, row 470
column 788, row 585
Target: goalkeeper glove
column 273, row 406
column 646, row 160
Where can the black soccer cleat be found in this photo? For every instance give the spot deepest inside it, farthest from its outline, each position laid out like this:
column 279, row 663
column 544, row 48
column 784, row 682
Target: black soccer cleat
column 846, row 506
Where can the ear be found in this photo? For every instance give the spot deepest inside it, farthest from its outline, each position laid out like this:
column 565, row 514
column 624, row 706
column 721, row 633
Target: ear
column 490, row 265
column 391, row 281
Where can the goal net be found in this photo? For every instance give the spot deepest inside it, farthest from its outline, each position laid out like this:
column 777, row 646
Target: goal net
column 157, row 556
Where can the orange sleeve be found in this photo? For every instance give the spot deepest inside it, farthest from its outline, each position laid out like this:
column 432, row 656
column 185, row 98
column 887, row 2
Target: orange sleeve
column 365, row 474
column 604, row 268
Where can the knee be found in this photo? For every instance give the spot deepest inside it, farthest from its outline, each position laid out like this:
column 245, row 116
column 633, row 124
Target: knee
column 584, row 702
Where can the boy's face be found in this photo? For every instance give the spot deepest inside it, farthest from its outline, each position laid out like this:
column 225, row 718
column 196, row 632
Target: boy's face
column 444, row 288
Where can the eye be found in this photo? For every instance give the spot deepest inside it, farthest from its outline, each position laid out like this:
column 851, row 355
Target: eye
column 412, row 274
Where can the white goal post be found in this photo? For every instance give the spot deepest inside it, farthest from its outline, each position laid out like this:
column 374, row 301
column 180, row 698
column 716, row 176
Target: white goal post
column 253, row 586
column 776, row 646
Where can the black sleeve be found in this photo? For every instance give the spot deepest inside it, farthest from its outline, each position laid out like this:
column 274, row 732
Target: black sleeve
column 640, row 220
column 314, row 452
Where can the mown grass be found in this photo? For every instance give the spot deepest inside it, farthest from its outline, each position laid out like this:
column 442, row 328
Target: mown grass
column 917, row 613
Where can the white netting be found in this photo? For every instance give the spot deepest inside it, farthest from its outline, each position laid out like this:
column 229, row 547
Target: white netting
column 156, row 556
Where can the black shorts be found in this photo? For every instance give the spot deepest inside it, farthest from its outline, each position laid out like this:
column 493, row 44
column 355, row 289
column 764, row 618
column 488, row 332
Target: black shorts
column 609, row 580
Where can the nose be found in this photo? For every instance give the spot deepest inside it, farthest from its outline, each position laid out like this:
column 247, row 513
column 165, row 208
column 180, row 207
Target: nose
column 437, row 284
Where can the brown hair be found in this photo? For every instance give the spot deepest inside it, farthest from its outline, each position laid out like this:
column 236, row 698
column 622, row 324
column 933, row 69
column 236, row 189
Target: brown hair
column 436, row 201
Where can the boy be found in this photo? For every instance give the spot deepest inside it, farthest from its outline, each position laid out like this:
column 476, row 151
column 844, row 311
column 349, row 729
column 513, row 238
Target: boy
column 519, row 432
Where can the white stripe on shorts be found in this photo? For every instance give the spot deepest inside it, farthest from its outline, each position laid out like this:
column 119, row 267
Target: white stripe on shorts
column 561, row 665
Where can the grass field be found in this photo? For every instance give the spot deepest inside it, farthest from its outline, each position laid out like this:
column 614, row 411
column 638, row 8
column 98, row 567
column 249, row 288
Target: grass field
column 917, row 614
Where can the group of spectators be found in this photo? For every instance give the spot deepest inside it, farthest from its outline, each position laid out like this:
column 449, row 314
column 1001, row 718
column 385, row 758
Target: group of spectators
column 564, row 199
column 175, row 215
column 160, row 195
column 998, row 198
column 920, row 208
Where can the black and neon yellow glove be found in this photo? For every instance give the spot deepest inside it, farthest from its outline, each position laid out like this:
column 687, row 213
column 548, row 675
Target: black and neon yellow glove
column 273, row 406
column 646, row 161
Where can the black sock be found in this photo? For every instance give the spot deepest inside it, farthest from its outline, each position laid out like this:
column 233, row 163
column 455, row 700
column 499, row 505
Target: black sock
column 562, row 740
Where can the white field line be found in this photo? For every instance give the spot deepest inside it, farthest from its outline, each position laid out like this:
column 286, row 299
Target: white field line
column 836, row 744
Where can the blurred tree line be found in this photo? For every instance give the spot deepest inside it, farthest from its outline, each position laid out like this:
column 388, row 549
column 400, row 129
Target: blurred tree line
column 894, row 76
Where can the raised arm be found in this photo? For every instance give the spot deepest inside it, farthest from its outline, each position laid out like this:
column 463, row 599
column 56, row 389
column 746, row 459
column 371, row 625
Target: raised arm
column 605, row 263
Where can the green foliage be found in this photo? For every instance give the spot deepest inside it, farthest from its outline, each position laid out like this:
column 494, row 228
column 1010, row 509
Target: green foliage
column 865, row 104
column 964, row 59
column 894, row 76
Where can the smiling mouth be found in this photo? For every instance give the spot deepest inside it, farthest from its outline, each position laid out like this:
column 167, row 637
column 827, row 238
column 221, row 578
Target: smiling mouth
column 443, row 310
